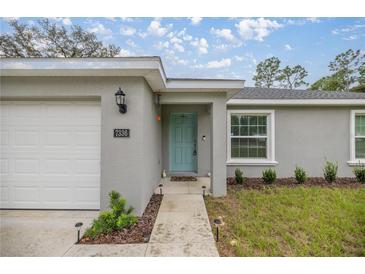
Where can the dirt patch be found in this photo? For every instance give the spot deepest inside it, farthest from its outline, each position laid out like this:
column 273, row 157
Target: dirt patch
column 183, row 179
column 258, row 183
column 138, row 233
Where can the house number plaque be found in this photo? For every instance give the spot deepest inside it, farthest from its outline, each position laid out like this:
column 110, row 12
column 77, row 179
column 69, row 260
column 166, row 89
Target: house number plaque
column 121, row 132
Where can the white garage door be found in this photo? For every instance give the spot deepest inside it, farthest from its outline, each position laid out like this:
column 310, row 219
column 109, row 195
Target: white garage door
column 50, row 155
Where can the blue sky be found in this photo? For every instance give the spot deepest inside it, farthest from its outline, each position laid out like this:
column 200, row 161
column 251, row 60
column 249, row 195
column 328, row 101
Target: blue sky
column 227, row 47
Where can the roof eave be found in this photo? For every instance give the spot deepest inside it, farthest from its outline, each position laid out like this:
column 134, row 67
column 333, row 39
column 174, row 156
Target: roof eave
column 295, row 102
column 150, row 68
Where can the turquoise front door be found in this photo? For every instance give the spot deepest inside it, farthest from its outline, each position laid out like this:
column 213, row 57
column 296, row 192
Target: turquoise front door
column 183, row 151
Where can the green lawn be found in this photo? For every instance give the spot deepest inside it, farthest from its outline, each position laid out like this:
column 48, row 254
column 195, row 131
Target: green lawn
column 300, row 221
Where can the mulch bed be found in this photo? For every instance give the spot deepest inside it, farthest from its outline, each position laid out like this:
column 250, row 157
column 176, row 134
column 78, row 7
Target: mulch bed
column 183, row 179
column 258, row 183
column 138, row 233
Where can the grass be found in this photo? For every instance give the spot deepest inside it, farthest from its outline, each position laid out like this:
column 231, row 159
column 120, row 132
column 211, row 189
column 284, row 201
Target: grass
column 282, row 221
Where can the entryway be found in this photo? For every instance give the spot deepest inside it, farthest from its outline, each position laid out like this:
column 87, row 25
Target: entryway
column 183, row 142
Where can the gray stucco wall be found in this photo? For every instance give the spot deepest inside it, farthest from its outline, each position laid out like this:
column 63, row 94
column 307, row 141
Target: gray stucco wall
column 203, row 128
column 127, row 164
column 150, row 167
column 307, row 136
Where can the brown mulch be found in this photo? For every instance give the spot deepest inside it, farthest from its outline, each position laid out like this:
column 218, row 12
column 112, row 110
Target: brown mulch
column 258, row 183
column 183, row 179
column 138, row 233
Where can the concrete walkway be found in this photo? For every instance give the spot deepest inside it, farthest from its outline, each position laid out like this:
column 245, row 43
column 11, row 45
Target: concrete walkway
column 181, row 229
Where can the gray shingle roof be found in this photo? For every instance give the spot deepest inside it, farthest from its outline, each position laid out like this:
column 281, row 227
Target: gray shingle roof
column 277, row 94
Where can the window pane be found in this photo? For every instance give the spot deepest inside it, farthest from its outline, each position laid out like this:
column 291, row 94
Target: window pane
column 235, row 153
column 261, row 131
column 360, row 148
column 360, row 125
column 253, row 130
column 253, row 120
column 244, row 130
column 234, row 119
column 244, row 120
column 252, row 150
column 261, row 151
column 244, row 148
column 262, row 120
column 235, row 130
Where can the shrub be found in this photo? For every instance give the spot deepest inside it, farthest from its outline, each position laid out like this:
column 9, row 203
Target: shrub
column 360, row 174
column 238, row 176
column 117, row 218
column 330, row 171
column 300, row 175
column 269, row 176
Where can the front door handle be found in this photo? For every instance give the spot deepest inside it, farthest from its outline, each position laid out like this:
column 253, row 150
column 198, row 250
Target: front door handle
column 194, row 152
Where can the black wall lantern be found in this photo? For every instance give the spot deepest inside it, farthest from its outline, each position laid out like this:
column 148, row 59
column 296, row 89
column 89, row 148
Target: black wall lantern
column 120, row 99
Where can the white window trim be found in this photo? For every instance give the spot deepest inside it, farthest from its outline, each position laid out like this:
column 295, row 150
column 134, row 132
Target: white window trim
column 270, row 160
column 353, row 161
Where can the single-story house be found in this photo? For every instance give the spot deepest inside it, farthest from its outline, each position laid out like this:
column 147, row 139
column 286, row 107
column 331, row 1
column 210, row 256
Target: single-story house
column 74, row 129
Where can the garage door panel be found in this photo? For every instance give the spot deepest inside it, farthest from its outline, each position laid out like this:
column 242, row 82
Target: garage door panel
column 26, row 166
column 50, row 155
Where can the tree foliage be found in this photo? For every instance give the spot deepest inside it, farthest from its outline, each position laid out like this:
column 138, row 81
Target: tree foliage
column 267, row 72
column 292, row 78
column 48, row 39
column 328, row 83
column 348, row 73
column 345, row 67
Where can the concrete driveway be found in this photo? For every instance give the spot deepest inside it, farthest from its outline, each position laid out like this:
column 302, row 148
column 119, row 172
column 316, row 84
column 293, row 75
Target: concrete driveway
column 40, row 232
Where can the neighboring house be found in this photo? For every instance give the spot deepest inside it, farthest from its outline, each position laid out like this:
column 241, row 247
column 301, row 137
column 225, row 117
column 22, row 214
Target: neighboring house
column 61, row 144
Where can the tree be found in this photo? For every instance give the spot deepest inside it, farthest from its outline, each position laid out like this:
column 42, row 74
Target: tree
column 345, row 67
column 267, row 72
column 51, row 40
column 328, row 83
column 292, row 78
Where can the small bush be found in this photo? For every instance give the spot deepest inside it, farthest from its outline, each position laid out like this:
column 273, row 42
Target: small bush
column 330, row 171
column 360, row 174
column 238, row 176
column 117, row 218
column 269, row 176
column 300, row 175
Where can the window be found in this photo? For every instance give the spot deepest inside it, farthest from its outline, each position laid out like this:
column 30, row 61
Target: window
column 250, row 137
column 357, row 144
column 360, row 136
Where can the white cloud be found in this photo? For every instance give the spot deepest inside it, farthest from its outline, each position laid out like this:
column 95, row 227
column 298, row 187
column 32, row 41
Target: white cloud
column 288, row 47
column 67, row 21
column 256, row 29
column 124, row 53
column 195, row 20
column 162, row 45
column 110, row 18
column 350, row 32
column 239, row 58
column 64, row 20
column 127, row 19
column 155, row 28
column 313, row 19
column 142, row 34
column 226, row 62
column 131, row 43
column 201, row 45
column 223, row 33
column 100, row 29
column 179, row 47
column 9, row 19
column 127, row 31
